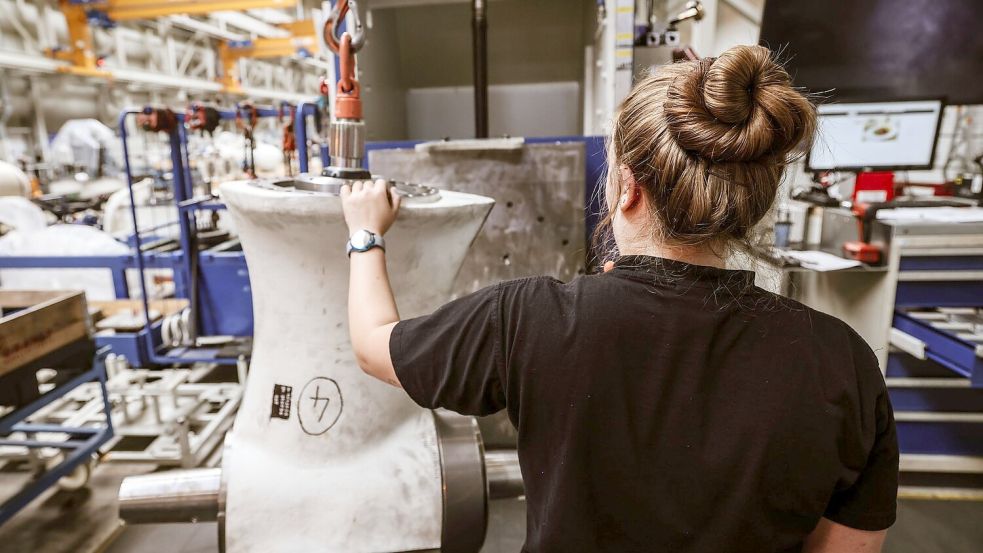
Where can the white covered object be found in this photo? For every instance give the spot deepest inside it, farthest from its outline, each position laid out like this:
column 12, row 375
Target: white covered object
column 80, row 141
column 118, row 221
column 268, row 159
column 13, row 181
column 346, row 463
column 55, row 241
column 84, row 187
column 21, row 214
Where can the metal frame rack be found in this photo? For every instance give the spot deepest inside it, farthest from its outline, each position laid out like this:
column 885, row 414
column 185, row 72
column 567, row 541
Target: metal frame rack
column 169, row 416
column 188, row 270
column 83, row 441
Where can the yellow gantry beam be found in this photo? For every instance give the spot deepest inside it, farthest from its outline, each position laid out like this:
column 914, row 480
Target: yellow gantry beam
column 304, row 38
column 128, row 10
column 80, row 51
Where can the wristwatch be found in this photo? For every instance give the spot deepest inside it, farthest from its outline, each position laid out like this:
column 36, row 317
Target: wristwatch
column 363, row 241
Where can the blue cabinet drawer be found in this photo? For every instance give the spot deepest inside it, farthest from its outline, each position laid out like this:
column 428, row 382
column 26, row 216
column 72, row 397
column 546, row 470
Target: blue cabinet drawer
column 953, row 342
column 941, row 263
column 940, row 438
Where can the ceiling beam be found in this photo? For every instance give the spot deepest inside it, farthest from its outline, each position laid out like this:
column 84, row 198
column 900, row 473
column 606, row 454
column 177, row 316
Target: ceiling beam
column 198, row 26
column 128, row 10
column 250, row 24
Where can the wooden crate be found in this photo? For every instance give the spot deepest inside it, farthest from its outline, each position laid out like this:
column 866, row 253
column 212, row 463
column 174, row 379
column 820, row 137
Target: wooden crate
column 107, row 308
column 45, row 322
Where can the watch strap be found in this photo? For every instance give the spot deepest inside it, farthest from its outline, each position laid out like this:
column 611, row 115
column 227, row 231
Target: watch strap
column 376, row 241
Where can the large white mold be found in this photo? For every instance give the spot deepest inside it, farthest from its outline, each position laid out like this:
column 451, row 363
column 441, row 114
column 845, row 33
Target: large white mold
column 322, row 457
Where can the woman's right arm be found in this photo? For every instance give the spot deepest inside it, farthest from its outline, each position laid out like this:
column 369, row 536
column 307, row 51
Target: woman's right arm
column 830, row 537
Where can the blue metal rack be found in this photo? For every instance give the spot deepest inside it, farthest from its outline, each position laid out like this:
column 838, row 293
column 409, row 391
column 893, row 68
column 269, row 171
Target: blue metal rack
column 305, row 110
column 222, row 285
column 83, row 442
column 189, row 267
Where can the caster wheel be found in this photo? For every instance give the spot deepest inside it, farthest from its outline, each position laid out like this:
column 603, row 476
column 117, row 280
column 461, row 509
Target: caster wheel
column 78, row 478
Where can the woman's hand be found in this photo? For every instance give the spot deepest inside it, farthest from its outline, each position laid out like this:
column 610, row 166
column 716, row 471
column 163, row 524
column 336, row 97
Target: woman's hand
column 369, row 205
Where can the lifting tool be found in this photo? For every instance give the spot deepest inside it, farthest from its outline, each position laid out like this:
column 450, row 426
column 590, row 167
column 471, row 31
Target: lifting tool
column 346, row 133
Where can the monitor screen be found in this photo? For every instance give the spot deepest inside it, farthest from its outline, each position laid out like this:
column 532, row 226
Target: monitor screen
column 880, row 50
column 882, row 135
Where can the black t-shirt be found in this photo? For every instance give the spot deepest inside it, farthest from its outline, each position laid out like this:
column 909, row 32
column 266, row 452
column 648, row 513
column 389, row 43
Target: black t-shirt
column 666, row 407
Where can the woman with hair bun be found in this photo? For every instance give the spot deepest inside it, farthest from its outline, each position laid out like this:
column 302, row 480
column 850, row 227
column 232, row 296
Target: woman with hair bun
column 666, row 404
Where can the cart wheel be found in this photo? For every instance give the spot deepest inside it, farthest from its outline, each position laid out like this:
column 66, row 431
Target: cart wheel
column 78, row 478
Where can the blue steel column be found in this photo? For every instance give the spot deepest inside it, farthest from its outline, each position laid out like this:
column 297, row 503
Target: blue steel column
column 300, row 134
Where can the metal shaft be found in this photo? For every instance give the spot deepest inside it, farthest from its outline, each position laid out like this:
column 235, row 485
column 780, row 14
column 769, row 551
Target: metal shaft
column 479, row 31
column 346, row 143
column 174, row 496
column 503, row 474
column 193, row 495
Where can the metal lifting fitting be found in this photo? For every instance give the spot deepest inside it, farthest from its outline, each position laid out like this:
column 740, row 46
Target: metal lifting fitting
column 346, row 133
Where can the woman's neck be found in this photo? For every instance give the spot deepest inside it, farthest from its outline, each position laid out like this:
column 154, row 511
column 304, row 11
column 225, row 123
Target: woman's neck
column 694, row 255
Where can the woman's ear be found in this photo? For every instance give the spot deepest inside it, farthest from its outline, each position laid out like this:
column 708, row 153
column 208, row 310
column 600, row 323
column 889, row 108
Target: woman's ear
column 630, row 192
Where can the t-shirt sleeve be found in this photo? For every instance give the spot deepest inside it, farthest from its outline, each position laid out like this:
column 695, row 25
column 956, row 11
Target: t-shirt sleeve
column 451, row 358
column 870, row 503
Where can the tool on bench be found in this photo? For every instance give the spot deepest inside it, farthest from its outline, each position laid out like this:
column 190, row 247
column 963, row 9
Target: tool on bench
column 872, row 254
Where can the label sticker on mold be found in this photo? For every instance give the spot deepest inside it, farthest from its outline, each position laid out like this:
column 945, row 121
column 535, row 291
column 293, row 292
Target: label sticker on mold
column 281, row 401
column 319, row 406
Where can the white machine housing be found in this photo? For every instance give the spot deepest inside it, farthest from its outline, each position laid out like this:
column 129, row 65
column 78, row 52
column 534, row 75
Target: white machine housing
column 331, row 459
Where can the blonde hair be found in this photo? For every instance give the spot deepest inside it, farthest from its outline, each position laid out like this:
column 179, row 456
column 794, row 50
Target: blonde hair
column 708, row 141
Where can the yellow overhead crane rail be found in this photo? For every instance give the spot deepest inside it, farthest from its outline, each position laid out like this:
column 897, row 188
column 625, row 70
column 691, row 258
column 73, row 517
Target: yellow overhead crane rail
column 128, row 10
column 302, row 42
column 82, row 14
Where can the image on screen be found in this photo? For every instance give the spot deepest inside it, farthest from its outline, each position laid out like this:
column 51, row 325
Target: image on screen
column 883, row 135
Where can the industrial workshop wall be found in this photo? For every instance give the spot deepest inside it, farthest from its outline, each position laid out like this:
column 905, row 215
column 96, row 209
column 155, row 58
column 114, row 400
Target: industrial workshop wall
column 416, row 68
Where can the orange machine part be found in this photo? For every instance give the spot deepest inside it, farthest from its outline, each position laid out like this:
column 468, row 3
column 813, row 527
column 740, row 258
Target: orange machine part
column 348, row 104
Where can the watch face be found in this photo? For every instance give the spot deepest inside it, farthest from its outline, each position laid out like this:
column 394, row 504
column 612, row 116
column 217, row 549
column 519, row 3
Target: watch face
column 362, row 239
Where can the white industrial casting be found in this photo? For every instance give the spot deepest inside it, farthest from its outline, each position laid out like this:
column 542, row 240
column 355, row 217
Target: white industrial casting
column 322, row 457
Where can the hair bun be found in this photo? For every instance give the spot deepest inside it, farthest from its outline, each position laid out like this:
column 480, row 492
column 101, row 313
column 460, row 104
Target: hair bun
column 739, row 107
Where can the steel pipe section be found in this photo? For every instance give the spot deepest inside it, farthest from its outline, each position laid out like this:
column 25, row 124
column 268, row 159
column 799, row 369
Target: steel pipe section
column 173, row 496
column 346, row 139
column 471, row 477
column 503, row 474
column 465, row 492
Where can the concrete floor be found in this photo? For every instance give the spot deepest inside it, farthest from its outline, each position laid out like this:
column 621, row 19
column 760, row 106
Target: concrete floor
column 506, row 529
column 85, row 522
column 60, row 521
column 922, row 527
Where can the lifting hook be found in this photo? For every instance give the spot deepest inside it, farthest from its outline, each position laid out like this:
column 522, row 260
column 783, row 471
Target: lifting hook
column 333, row 23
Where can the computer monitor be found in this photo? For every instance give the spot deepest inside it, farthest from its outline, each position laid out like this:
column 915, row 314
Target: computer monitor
column 881, row 136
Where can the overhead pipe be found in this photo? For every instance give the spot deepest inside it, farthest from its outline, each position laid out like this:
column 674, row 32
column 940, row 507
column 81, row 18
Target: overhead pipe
column 479, row 36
